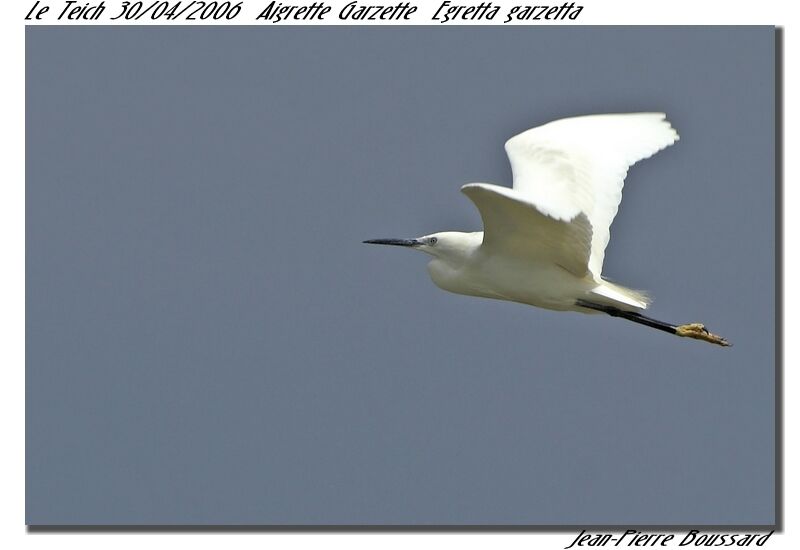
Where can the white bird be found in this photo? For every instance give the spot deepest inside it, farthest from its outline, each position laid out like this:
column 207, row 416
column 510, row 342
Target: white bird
column 544, row 240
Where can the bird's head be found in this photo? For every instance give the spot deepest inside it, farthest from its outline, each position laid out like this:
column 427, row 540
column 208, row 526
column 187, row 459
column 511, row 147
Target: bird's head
column 447, row 244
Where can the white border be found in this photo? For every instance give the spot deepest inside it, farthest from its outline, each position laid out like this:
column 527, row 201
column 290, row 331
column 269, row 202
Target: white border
column 12, row 314
column 595, row 12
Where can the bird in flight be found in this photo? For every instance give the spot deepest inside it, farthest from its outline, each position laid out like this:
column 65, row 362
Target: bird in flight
column 544, row 239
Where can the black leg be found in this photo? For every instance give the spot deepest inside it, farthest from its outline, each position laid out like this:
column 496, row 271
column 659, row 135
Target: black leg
column 629, row 315
column 691, row 330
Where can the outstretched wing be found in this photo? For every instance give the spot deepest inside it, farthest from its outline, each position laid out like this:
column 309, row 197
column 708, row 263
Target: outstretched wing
column 578, row 166
column 515, row 227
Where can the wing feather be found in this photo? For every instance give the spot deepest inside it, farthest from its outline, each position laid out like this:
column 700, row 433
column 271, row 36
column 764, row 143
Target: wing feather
column 517, row 228
column 578, row 166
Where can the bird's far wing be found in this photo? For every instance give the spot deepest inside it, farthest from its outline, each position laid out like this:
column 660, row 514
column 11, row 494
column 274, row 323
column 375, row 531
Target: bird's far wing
column 516, row 227
column 578, row 165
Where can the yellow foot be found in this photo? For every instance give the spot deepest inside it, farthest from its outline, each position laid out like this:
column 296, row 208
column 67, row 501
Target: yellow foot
column 699, row 332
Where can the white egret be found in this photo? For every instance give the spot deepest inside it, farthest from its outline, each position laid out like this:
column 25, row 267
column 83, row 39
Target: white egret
column 544, row 239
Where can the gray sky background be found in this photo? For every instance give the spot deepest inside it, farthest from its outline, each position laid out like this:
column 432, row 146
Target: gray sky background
column 208, row 341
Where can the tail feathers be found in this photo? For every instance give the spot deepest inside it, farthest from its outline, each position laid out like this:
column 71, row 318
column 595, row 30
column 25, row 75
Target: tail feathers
column 620, row 296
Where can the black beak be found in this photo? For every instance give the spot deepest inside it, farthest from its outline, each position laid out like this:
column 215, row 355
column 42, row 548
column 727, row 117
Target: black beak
column 395, row 242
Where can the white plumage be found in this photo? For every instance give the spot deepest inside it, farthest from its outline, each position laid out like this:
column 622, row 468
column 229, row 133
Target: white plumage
column 544, row 239
column 578, row 165
column 568, row 178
